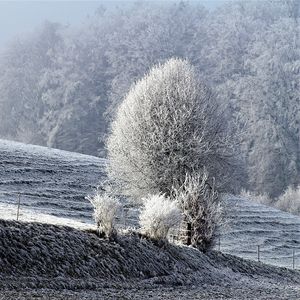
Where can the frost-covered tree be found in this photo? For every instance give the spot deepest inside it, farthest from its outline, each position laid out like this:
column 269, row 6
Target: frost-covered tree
column 202, row 209
column 269, row 96
column 168, row 124
column 22, row 65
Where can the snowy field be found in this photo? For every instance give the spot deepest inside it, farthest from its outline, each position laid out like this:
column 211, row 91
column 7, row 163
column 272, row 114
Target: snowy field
column 53, row 185
column 252, row 225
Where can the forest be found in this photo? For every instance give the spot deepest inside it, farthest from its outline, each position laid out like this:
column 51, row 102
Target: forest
column 60, row 86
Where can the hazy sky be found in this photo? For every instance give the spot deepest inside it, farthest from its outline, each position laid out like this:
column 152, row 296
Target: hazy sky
column 19, row 17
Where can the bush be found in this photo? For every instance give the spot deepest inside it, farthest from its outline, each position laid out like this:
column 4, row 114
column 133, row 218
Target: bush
column 158, row 215
column 259, row 198
column 202, row 209
column 290, row 200
column 106, row 208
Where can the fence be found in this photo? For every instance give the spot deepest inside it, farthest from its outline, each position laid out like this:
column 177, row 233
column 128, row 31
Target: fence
column 263, row 256
column 290, row 258
column 28, row 207
column 18, row 202
column 255, row 251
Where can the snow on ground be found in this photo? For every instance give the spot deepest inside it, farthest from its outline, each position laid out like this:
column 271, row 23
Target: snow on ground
column 53, row 185
column 8, row 212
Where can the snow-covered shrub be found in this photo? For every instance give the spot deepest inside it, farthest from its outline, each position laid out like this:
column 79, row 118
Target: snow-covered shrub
column 259, row 198
column 106, row 208
column 158, row 215
column 202, row 209
column 290, row 200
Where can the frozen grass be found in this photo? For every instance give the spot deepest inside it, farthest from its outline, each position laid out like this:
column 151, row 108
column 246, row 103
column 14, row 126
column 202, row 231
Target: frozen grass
column 46, row 256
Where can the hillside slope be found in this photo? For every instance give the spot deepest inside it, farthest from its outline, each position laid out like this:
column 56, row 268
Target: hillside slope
column 50, row 181
column 53, row 185
column 35, row 257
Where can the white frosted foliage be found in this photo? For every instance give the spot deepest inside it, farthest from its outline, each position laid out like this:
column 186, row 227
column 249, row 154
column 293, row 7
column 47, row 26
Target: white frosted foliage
column 159, row 215
column 106, row 208
column 167, row 125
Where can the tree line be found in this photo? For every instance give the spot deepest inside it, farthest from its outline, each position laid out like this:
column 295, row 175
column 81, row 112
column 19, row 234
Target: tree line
column 60, row 86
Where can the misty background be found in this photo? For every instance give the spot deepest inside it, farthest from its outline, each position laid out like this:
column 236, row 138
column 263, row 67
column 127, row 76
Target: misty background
column 65, row 67
column 21, row 17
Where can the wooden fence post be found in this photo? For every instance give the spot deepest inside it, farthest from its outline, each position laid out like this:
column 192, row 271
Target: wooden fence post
column 18, row 210
column 293, row 259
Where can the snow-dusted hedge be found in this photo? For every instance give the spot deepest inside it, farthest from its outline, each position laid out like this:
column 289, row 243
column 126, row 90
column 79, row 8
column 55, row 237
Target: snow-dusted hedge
column 158, row 215
column 290, row 200
column 106, row 208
